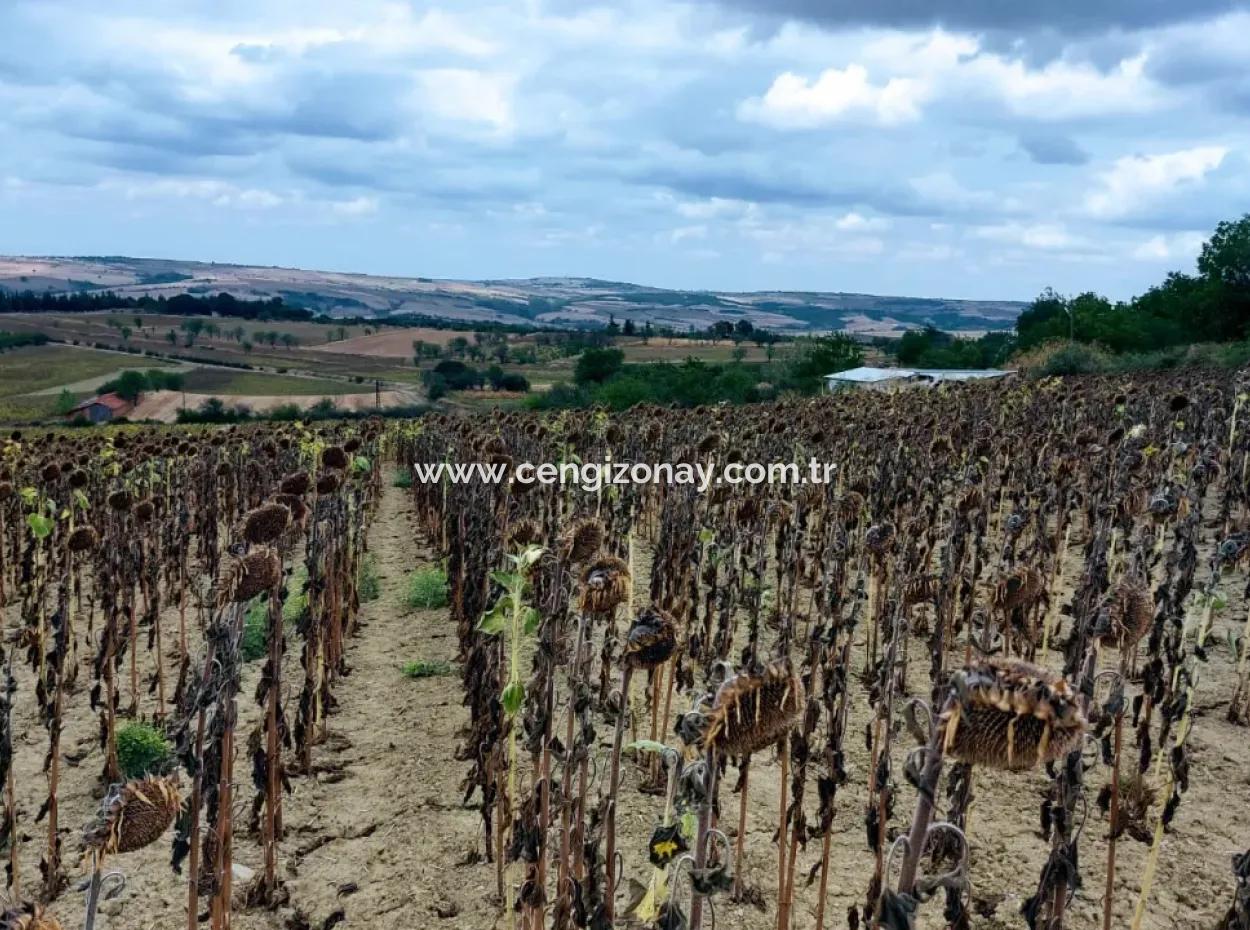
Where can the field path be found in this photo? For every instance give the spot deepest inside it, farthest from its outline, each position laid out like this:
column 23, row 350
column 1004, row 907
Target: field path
column 383, row 808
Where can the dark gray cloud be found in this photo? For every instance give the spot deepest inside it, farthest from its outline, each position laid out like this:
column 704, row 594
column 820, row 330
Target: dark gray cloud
column 1063, row 16
column 1053, row 149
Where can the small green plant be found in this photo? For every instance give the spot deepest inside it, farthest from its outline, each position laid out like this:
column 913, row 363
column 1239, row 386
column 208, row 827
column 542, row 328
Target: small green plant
column 141, row 749
column 402, row 479
column 369, row 584
column 513, row 618
column 255, row 641
column 296, row 604
column 422, row 669
column 427, row 589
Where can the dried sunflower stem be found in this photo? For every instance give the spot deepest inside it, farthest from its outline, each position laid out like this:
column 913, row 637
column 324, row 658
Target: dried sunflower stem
column 926, row 792
column 781, row 833
column 705, row 824
column 614, row 780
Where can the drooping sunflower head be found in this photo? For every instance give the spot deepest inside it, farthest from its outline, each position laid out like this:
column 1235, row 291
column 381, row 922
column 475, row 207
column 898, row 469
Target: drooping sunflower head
column 258, row 571
column 753, row 711
column 134, row 815
column 604, row 585
column 266, row 523
column 1011, row 715
column 651, row 640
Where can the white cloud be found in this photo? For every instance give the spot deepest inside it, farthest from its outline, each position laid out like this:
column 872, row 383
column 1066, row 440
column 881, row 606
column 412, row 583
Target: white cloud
column 1136, row 180
column 687, row 233
column 931, row 67
column 712, row 208
column 357, row 206
column 857, row 222
column 1043, row 237
column 793, row 102
column 1163, row 248
column 208, row 190
column 463, row 94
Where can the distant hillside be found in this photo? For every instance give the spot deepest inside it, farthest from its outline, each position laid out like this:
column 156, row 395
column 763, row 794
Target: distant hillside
column 571, row 302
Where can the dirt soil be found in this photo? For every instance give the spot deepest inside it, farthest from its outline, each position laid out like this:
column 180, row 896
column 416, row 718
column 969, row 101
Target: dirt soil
column 163, row 406
column 379, row 835
column 390, row 343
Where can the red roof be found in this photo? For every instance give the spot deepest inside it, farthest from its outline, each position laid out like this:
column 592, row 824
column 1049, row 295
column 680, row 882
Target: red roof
column 119, row 405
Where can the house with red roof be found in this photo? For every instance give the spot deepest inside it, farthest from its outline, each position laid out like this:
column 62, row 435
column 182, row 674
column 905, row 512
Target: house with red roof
column 101, row 409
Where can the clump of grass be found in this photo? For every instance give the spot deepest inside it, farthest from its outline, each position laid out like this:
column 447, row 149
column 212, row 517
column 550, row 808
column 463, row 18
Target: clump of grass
column 422, row 669
column 255, row 642
column 402, row 479
column 427, row 589
column 369, row 584
column 141, row 749
column 296, row 604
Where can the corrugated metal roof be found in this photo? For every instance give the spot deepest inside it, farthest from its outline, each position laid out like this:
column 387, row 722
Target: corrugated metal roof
column 869, row 375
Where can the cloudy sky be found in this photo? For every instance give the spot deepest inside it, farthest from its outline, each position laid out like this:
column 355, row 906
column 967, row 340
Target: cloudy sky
column 962, row 148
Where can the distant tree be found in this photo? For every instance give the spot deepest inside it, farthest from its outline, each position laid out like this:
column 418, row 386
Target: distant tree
column 65, row 402
column 820, row 356
column 171, row 337
column 457, row 375
column 1225, row 257
column 130, row 385
column 738, row 354
column 127, row 332
column 629, row 329
column 435, row 385
column 743, row 329
column 289, row 340
column 595, row 366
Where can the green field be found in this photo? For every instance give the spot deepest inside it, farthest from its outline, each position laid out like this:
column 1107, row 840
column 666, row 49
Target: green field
column 43, row 368
column 228, row 382
column 38, row 368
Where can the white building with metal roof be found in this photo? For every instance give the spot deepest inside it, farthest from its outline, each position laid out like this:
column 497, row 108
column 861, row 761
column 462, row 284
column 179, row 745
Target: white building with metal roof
column 884, row 379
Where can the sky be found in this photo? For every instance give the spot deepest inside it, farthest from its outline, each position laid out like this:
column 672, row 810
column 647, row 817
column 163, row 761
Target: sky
column 957, row 148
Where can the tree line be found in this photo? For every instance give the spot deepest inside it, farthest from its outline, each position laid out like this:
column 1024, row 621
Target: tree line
column 1211, row 305
column 271, row 308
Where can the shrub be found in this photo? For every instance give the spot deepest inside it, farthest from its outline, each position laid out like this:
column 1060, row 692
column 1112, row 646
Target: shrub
column 427, row 589
column 141, row 749
column 1064, row 358
column 369, row 585
column 255, row 630
column 402, row 479
column 296, row 604
column 421, row 669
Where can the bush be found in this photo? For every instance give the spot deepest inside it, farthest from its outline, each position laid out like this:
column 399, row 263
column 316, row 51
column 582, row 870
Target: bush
column 141, row 749
column 1064, row 358
column 255, row 630
column 296, row 603
column 421, row 669
column 598, row 365
column 427, row 589
column 402, row 479
column 369, row 585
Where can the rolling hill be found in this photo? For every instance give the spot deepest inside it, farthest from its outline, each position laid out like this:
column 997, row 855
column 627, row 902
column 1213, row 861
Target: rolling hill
column 555, row 301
